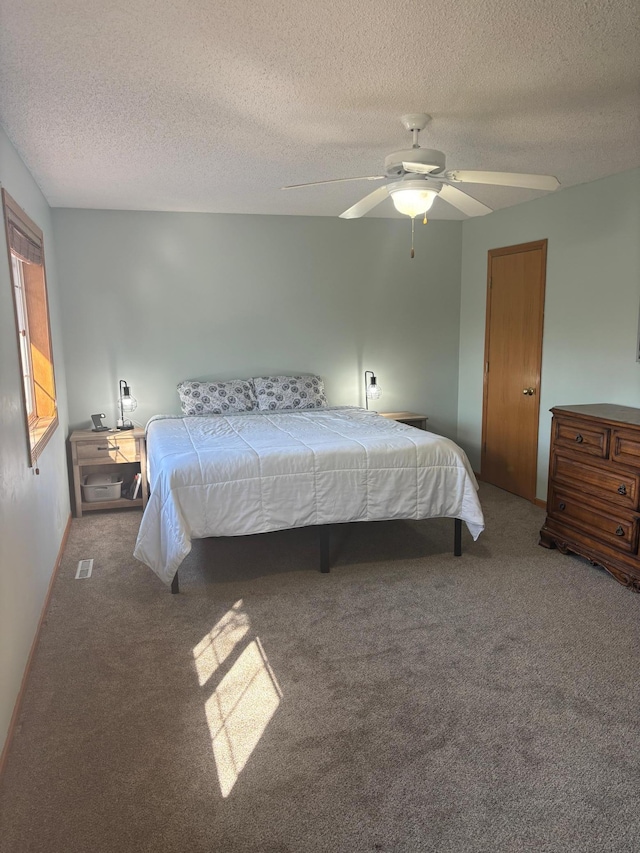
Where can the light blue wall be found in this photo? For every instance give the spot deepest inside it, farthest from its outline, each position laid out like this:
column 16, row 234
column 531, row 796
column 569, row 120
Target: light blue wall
column 33, row 509
column 591, row 308
column 155, row 298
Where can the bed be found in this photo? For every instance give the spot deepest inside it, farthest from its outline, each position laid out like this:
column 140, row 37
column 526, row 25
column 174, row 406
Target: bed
column 258, row 471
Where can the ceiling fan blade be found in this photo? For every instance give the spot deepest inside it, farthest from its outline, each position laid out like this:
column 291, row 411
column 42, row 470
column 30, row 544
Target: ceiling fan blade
column 465, row 203
column 505, row 179
column 419, row 168
column 366, row 204
column 334, row 181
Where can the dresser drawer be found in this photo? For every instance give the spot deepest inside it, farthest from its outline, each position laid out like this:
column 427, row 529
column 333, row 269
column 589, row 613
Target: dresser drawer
column 617, row 528
column 625, row 447
column 608, row 484
column 590, row 439
column 113, row 448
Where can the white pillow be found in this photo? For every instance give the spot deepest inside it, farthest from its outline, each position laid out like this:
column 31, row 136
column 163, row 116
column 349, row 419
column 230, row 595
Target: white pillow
column 216, row 398
column 289, row 392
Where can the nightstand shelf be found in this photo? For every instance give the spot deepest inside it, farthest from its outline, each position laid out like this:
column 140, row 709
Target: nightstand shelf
column 411, row 418
column 105, row 452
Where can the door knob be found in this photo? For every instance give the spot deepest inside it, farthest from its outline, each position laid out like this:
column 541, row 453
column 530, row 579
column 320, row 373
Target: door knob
column 529, row 392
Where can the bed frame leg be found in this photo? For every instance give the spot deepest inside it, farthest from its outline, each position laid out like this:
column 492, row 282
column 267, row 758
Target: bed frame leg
column 325, row 547
column 457, row 537
column 175, row 589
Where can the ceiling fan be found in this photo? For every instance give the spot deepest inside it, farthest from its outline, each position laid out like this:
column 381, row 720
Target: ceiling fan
column 416, row 176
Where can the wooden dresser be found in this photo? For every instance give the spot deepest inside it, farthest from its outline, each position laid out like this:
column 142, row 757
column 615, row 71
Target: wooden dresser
column 593, row 502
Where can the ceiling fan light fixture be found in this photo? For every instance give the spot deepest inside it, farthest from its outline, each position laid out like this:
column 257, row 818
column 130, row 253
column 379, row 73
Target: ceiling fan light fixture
column 413, row 198
column 415, row 176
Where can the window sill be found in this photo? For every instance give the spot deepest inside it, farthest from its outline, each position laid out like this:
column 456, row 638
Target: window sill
column 40, row 431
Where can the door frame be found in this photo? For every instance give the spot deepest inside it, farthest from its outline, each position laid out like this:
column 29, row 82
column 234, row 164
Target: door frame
column 491, row 254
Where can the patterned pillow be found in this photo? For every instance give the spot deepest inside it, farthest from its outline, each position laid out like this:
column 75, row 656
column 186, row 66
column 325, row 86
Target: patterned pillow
column 216, row 398
column 290, row 392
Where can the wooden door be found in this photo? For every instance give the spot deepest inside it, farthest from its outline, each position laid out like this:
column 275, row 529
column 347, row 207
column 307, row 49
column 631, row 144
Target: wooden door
column 513, row 354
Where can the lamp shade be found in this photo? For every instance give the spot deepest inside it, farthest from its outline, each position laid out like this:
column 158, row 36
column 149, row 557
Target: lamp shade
column 128, row 403
column 372, row 391
column 412, row 198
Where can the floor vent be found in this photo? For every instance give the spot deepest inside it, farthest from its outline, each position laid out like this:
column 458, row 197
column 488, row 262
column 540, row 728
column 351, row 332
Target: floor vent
column 85, row 567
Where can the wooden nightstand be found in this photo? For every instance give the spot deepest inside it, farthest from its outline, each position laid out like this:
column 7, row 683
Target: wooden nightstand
column 411, row 418
column 103, row 452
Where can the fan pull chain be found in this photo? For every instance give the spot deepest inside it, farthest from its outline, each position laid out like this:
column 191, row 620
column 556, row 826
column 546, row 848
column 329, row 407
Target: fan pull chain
column 413, row 232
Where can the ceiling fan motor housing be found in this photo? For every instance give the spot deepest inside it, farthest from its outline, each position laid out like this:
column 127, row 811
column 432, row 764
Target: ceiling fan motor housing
column 427, row 157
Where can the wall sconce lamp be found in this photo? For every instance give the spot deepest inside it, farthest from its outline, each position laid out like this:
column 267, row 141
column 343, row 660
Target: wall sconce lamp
column 372, row 391
column 127, row 404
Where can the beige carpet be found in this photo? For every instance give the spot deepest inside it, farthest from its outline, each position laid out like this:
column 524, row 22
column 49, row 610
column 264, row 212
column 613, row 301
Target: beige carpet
column 408, row 701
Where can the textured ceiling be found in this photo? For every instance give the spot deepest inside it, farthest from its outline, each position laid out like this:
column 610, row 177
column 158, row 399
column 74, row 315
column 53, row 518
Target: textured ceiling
column 213, row 106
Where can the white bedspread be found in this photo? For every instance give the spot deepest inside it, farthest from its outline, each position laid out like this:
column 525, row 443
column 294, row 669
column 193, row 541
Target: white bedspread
column 255, row 472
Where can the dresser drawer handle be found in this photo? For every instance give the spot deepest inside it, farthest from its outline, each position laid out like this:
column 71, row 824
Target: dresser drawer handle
column 562, row 505
column 622, row 490
column 579, row 438
column 619, row 531
column 114, row 447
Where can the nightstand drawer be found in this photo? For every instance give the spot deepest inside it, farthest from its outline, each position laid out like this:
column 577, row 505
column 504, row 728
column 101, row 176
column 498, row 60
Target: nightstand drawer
column 590, row 439
column 619, row 529
column 116, row 448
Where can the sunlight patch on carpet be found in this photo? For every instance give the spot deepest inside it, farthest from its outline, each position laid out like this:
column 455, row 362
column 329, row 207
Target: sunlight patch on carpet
column 239, row 711
column 216, row 646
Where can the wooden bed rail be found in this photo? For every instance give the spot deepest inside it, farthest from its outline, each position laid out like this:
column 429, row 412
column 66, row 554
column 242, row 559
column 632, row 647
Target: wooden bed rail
column 325, row 550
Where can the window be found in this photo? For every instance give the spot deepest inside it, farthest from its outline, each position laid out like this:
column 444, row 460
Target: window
column 29, row 286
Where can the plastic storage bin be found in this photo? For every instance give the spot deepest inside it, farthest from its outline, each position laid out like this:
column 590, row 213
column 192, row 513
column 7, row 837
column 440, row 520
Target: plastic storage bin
column 101, row 487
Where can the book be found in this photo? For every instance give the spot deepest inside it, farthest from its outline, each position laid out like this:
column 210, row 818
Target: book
column 130, row 491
